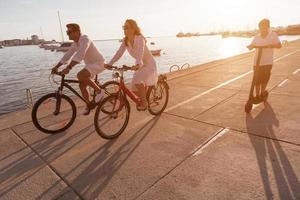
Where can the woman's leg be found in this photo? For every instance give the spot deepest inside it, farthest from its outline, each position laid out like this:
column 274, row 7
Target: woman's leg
column 141, row 92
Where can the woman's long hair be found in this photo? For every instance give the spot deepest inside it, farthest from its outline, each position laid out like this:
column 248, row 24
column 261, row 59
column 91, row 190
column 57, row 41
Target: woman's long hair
column 137, row 31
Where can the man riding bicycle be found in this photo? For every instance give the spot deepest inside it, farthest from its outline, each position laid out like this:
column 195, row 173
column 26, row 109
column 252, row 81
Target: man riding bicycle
column 83, row 48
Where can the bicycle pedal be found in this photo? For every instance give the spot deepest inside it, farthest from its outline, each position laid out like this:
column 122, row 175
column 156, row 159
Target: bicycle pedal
column 142, row 109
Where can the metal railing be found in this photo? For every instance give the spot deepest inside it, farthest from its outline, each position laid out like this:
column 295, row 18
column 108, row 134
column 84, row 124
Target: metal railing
column 174, row 68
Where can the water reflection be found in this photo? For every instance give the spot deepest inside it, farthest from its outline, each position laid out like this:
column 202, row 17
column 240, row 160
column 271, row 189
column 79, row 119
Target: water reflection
column 231, row 47
column 29, row 66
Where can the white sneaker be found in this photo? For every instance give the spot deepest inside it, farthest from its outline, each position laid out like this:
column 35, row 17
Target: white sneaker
column 99, row 96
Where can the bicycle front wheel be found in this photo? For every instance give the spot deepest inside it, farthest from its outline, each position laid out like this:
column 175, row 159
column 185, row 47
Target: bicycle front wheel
column 53, row 113
column 112, row 116
column 158, row 97
column 112, row 87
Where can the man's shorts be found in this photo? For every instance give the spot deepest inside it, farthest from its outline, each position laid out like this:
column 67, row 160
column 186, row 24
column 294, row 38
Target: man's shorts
column 262, row 74
column 94, row 69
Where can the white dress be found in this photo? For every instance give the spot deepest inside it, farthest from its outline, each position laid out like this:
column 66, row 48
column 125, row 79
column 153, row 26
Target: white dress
column 147, row 74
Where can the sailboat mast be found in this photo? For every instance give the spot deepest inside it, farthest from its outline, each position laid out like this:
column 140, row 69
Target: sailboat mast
column 62, row 35
column 42, row 35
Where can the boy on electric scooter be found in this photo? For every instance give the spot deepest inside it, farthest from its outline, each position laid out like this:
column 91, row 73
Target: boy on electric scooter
column 265, row 41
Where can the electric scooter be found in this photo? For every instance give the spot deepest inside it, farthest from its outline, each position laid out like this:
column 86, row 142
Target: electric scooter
column 262, row 97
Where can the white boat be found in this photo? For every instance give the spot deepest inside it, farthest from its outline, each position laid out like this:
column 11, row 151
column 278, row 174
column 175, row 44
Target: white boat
column 155, row 52
column 51, row 47
column 64, row 46
column 1, row 47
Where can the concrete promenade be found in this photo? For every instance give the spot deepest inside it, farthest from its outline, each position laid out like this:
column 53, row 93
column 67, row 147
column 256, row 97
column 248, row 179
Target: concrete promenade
column 204, row 146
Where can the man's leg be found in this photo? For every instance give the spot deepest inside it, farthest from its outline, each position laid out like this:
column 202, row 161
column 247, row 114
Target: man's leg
column 85, row 80
column 84, row 92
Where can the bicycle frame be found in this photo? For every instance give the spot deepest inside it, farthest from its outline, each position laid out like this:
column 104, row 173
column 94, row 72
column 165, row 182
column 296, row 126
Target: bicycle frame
column 64, row 83
column 128, row 92
column 123, row 90
column 122, row 86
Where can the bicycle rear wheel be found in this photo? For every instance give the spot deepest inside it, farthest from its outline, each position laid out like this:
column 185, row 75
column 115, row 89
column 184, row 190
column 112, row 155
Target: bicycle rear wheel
column 112, row 116
column 53, row 113
column 158, row 97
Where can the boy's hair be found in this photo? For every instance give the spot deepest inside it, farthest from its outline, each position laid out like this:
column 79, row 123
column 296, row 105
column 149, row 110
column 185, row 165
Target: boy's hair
column 264, row 22
column 73, row 26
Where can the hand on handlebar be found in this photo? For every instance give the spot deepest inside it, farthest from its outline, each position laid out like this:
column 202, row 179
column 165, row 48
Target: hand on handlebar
column 135, row 67
column 107, row 66
column 65, row 71
column 122, row 68
column 54, row 70
column 251, row 46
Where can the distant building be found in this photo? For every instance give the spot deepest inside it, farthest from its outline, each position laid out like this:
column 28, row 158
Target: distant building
column 293, row 29
column 13, row 42
column 26, row 42
column 35, row 39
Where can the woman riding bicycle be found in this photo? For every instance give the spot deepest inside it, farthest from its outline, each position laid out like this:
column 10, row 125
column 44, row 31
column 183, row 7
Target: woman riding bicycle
column 146, row 70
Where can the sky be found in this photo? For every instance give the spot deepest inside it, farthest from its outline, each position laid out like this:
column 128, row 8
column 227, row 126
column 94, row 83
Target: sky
column 103, row 19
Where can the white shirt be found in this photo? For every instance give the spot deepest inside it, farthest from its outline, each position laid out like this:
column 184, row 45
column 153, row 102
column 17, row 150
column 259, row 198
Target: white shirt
column 139, row 51
column 267, row 53
column 85, row 50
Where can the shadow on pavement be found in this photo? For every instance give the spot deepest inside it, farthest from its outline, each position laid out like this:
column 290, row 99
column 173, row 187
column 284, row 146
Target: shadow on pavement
column 270, row 149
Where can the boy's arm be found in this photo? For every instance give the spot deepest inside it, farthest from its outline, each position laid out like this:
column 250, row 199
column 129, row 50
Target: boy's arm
column 277, row 46
column 252, row 44
column 275, row 42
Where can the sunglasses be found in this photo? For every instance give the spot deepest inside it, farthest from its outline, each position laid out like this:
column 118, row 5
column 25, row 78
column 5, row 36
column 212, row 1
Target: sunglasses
column 69, row 32
column 126, row 28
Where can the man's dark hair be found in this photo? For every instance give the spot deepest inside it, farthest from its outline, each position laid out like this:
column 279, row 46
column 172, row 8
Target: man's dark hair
column 73, row 26
column 264, row 22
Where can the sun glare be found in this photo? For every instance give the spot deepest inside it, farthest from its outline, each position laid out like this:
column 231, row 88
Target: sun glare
column 229, row 47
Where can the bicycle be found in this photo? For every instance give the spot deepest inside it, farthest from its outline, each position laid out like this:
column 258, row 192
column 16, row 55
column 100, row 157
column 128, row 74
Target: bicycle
column 112, row 114
column 56, row 112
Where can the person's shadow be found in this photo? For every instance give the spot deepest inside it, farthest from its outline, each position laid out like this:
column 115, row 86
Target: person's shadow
column 103, row 164
column 269, row 148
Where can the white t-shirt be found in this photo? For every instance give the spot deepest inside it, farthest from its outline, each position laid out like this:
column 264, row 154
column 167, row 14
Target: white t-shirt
column 267, row 54
column 85, row 50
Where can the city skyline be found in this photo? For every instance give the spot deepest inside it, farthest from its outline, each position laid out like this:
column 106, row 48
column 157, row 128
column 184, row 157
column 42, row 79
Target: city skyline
column 104, row 20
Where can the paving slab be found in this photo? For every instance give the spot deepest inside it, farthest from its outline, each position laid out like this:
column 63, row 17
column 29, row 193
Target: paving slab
column 201, row 103
column 23, row 175
column 235, row 166
column 290, row 86
column 122, row 168
column 276, row 119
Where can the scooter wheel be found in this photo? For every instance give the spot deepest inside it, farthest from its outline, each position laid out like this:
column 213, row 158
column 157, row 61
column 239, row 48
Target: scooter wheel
column 248, row 107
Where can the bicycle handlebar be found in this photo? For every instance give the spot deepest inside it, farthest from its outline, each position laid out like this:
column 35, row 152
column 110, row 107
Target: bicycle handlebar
column 123, row 68
column 262, row 47
column 57, row 73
